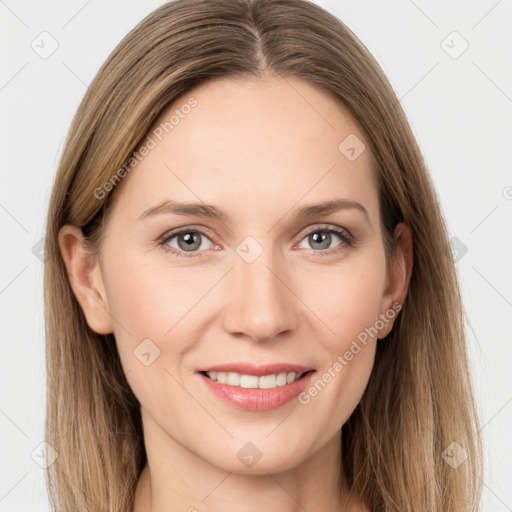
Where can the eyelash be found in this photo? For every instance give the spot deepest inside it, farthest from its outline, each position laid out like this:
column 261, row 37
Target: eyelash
column 348, row 240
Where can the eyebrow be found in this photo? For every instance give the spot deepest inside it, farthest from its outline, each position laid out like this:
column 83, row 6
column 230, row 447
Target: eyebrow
column 209, row 211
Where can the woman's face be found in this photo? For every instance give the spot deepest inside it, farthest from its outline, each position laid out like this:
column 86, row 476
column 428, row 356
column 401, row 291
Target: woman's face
column 263, row 285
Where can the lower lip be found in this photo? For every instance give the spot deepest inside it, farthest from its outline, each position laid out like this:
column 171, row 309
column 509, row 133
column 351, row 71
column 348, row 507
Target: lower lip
column 255, row 399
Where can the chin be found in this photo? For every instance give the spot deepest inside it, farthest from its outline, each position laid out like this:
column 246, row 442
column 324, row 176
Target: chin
column 249, row 460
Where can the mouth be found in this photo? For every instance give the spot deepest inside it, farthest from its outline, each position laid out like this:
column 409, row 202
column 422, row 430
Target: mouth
column 248, row 381
column 256, row 388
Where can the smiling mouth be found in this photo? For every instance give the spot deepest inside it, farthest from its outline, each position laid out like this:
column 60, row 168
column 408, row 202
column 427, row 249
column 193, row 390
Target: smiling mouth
column 247, row 381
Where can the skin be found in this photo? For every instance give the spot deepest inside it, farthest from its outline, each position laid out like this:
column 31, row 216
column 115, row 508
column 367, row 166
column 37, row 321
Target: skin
column 258, row 150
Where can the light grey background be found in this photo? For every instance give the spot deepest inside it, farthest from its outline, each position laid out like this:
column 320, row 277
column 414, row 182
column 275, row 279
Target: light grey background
column 459, row 107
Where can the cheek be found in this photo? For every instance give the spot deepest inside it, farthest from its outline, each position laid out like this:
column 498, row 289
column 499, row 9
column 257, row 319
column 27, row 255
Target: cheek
column 146, row 304
column 347, row 303
column 345, row 300
column 147, row 295
column 137, row 300
column 150, row 310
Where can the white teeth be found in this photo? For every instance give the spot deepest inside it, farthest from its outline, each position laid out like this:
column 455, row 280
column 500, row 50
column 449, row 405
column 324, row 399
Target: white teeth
column 267, row 382
column 281, row 379
column 247, row 381
column 233, row 379
column 252, row 381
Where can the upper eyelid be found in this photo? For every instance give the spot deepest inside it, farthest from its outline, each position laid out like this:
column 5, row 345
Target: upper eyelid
column 184, row 229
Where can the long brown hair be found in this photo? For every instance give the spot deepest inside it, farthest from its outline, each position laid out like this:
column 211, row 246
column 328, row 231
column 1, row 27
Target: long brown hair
column 419, row 399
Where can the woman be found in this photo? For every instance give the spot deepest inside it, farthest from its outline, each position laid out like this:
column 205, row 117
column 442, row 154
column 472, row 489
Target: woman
column 203, row 351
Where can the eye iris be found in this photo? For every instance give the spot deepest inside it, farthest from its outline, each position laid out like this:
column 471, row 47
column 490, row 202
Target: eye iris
column 192, row 240
column 324, row 236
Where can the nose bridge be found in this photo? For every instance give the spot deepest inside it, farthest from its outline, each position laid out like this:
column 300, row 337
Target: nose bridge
column 260, row 304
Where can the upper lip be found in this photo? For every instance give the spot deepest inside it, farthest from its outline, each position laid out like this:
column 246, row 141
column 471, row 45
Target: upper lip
column 257, row 370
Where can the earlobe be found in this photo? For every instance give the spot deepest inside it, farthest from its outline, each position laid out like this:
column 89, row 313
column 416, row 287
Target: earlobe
column 85, row 279
column 400, row 275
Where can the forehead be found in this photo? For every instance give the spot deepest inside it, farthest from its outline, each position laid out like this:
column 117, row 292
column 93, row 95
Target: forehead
column 266, row 143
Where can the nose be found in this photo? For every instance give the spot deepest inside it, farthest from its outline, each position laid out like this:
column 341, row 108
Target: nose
column 261, row 303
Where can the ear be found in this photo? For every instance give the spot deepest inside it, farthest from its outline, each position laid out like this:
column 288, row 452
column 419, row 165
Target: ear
column 85, row 278
column 397, row 282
